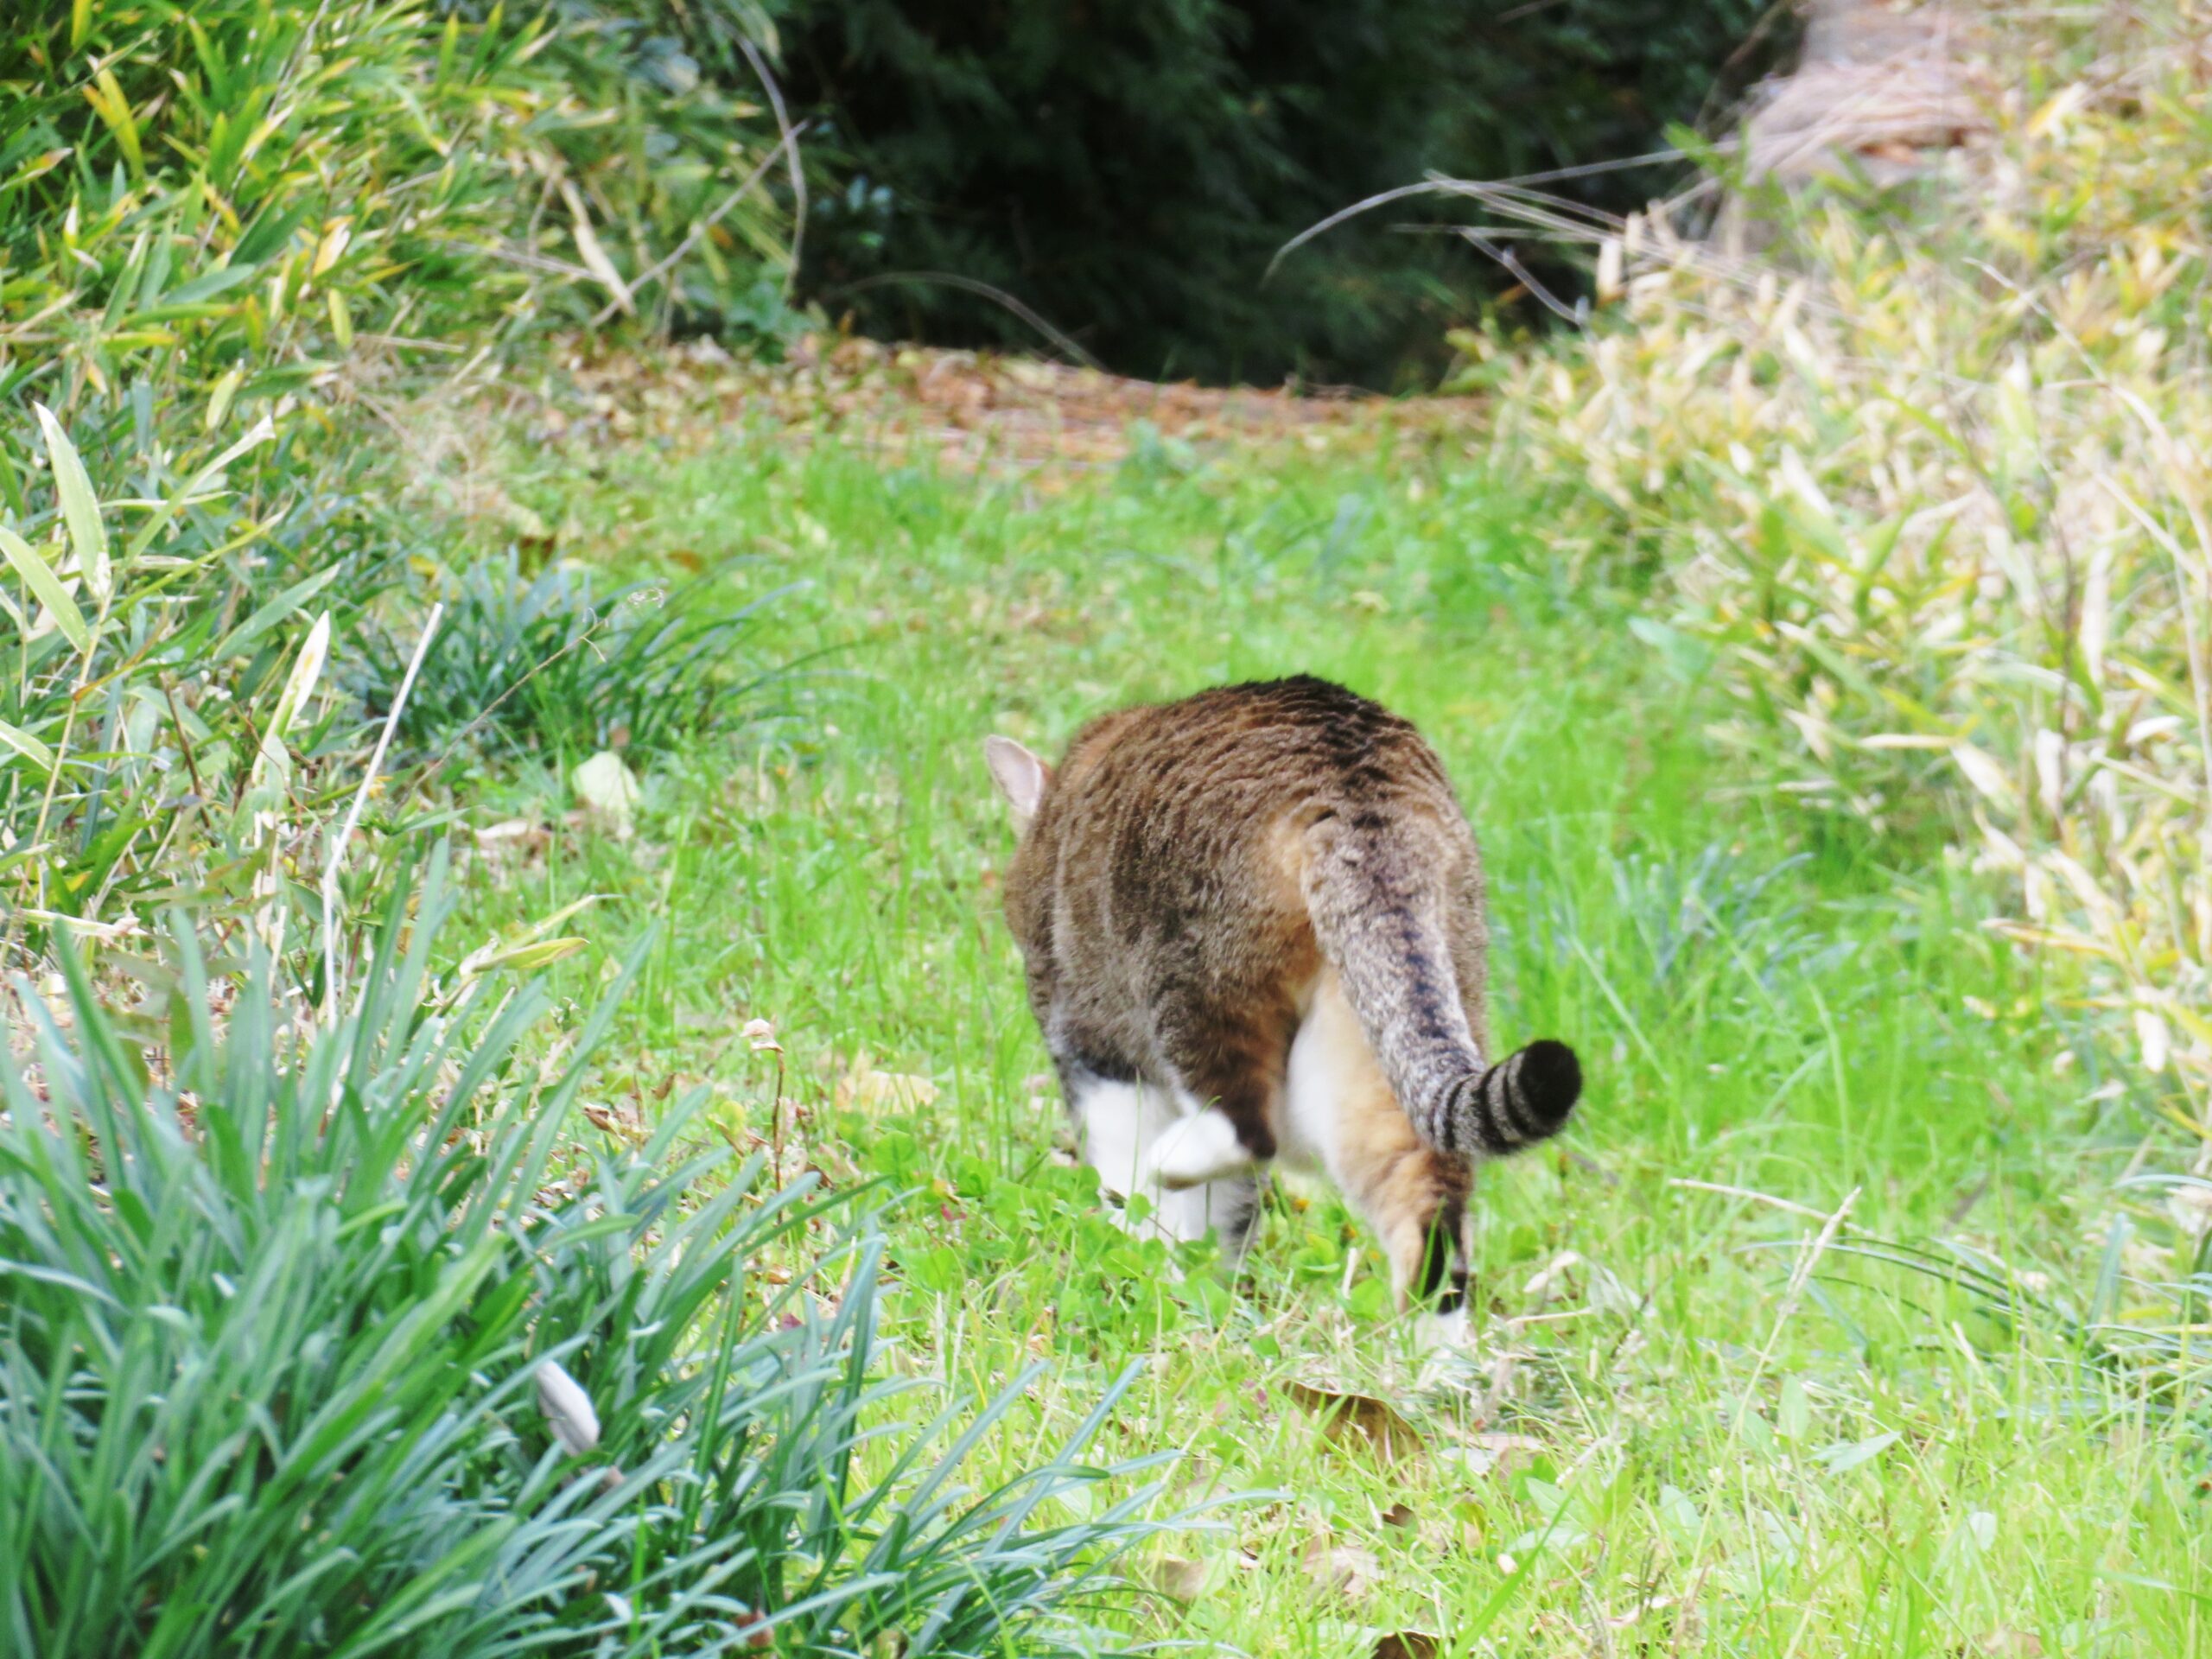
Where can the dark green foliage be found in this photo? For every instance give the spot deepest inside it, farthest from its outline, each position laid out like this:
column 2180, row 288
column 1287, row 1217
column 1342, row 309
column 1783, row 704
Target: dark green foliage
column 1128, row 170
column 546, row 663
column 270, row 1325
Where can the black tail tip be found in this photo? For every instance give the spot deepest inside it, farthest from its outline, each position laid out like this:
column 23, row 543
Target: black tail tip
column 1549, row 1081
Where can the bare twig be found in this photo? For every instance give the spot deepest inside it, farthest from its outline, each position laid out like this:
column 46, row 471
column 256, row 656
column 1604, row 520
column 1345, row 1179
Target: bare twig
column 790, row 146
column 970, row 285
column 698, row 230
column 1746, row 1192
column 361, row 799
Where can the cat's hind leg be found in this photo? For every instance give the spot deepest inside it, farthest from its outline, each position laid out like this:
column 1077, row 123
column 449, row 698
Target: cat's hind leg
column 1198, row 1148
column 1118, row 1124
column 1228, row 1208
column 1340, row 1113
column 1121, row 1125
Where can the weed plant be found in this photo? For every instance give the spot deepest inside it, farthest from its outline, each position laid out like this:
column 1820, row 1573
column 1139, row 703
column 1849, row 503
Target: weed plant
column 284, row 1302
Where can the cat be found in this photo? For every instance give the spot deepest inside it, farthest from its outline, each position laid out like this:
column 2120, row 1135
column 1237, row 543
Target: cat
column 1252, row 926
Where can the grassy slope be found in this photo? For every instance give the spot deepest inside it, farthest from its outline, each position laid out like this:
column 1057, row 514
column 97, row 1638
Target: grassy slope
column 1751, row 1014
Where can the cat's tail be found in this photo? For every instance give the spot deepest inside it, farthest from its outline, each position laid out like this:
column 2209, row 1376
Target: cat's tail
column 1378, row 907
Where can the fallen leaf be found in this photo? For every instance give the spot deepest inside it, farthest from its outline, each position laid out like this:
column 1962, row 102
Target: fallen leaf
column 1408, row 1644
column 2190, row 1206
column 615, row 1120
column 865, row 1086
column 512, row 835
column 1343, row 1570
column 608, row 792
column 1178, row 1578
column 1361, row 1417
column 1552, row 1277
column 1399, row 1514
column 1497, row 1454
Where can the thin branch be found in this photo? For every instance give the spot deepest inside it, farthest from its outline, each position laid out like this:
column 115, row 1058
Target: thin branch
column 791, row 143
column 691, row 237
column 360, row 800
column 970, row 285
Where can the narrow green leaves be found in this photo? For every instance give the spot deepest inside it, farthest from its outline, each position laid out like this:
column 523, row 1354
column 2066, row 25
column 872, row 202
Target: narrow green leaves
column 81, row 508
column 48, row 589
column 22, row 742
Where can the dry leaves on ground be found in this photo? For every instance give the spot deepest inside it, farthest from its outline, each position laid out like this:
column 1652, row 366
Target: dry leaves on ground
column 1359, row 1420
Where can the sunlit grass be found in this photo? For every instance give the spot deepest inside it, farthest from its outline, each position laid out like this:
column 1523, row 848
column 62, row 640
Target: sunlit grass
column 1653, row 1445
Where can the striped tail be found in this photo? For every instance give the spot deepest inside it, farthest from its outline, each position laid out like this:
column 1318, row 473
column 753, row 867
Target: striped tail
column 1377, row 909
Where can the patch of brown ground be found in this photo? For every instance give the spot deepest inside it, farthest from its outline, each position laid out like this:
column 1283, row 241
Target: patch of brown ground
column 963, row 410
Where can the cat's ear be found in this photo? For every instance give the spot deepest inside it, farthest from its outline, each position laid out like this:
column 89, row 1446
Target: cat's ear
column 1021, row 776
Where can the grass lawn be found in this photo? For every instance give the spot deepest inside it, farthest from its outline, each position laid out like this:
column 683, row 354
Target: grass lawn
column 1679, row 1427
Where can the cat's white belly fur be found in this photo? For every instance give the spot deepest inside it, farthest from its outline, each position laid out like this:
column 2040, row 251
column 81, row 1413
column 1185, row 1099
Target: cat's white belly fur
column 1330, row 1062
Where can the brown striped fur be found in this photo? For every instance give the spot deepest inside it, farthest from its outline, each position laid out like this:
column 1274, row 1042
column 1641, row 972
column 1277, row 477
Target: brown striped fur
column 1212, row 894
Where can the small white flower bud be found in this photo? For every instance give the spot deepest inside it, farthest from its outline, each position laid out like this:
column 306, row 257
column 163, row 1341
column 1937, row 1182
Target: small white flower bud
column 568, row 1408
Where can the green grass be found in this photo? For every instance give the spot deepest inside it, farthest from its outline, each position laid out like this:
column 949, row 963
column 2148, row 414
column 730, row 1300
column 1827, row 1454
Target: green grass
column 1880, row 1463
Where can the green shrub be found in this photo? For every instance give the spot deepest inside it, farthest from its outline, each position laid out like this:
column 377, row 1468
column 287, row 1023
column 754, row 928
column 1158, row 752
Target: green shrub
column 276, row 1297
column 1129, row 171
column 206, row 210
column 226, row 194
column 142, row 733
column 546, row 663
column 1927, row 487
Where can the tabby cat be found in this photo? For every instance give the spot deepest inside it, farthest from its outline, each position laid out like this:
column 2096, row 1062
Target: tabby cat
column 1253, row 927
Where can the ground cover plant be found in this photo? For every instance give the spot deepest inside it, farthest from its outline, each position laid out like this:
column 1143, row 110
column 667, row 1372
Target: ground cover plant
column 336, row 1342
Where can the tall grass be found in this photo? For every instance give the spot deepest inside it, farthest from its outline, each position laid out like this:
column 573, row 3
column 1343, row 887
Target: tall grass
column 1930, row 483
column 557, row 661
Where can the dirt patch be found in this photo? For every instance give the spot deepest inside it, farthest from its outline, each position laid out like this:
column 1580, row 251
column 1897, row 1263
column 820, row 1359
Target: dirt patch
column 968, row 410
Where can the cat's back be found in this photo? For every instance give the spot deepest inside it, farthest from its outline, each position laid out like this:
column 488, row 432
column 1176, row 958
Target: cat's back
column 1166, row 808
column 1243, row 752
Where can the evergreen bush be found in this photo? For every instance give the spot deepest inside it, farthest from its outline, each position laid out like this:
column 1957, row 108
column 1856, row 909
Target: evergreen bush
column 1128, row 171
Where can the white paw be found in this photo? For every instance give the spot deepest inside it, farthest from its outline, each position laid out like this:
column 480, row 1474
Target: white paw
column 1194, row 1150
column 1432, row 1332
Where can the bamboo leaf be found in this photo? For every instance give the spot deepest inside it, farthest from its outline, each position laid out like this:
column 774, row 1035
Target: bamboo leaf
column 22, row 742
column 108, row 102
column 269, row 614
column 39, row 577
column 262, row 431
column 299, row 685
column 81, row 508
column 594, row 256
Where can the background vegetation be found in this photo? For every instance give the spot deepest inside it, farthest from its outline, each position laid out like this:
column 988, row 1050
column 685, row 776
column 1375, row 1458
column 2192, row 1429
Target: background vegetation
column 1126, row 173
column 520, row 1130
column 321, row 1333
